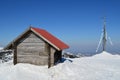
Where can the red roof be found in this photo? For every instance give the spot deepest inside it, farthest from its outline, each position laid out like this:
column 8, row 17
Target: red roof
column 55, row 42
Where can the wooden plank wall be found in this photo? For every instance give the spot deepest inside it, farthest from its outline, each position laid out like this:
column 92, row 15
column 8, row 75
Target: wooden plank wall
column 52, row 51
column 31, row 49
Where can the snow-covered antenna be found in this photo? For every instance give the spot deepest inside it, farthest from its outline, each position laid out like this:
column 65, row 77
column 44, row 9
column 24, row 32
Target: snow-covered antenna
column 99, row 42
column 104, row 36
column 110, row 41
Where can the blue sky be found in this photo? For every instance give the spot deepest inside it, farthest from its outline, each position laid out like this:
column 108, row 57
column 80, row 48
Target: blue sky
column 78, row 23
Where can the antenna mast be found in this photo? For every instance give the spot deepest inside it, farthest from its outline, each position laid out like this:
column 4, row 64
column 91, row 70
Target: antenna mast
column 104, row 39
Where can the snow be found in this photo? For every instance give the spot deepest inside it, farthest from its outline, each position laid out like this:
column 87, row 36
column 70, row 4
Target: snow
column 106, row 55
column 1, row 48
column 103, row 66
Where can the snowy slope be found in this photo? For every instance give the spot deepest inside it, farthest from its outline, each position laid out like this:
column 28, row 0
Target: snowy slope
column 102, row 66
column 106, row 55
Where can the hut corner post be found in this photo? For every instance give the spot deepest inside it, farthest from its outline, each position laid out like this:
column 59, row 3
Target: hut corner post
column 49, row 58
column 15, row 53
column 51, row 52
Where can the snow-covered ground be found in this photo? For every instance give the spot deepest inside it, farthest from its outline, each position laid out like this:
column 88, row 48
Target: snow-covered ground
column 102, row 66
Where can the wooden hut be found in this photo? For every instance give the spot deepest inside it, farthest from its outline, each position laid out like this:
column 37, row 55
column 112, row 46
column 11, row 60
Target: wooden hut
column 37, row 46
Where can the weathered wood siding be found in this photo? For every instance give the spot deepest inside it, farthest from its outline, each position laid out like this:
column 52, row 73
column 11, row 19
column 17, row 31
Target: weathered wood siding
column 52, row 51
column 31, row 49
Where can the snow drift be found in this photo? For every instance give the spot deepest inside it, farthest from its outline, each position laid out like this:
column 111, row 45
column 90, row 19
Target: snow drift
column 103, row 66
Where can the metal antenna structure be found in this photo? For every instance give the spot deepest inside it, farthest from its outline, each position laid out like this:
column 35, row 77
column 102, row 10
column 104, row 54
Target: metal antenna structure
column 103, row 38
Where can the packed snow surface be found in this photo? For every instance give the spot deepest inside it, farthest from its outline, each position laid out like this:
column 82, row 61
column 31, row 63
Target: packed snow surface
column 103, row 66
